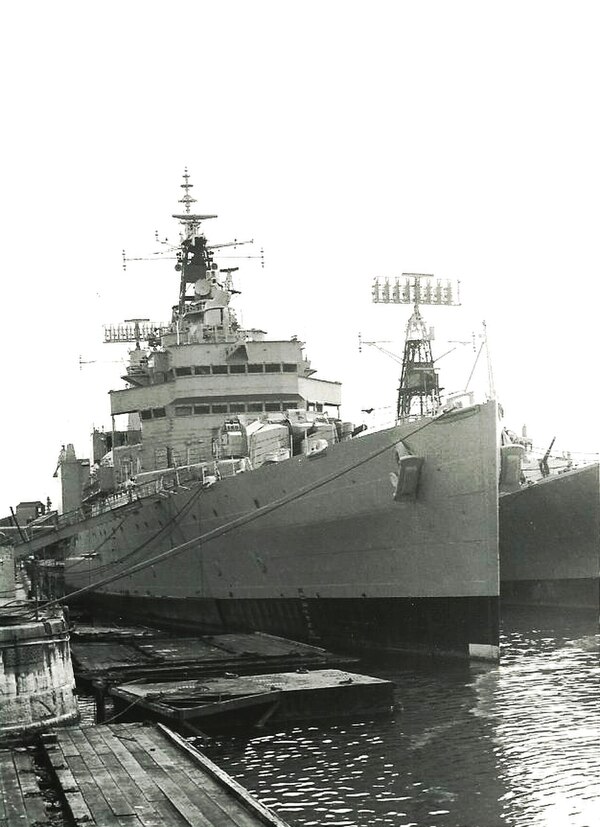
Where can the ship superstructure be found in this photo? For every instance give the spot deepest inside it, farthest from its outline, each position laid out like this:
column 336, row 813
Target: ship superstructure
column 236, row 497
column 196, row 384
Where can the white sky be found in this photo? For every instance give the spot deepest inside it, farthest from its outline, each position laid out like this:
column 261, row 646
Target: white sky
column 350, row 140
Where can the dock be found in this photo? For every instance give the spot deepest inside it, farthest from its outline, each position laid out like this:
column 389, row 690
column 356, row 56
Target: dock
column 21, row 799
column 233, row 702
column 145, row 776
column 118, row 655
column 101, row 632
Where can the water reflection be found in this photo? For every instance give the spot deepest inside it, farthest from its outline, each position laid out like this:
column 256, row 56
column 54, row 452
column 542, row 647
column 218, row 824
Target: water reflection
column 545, row 707
column 471, row 747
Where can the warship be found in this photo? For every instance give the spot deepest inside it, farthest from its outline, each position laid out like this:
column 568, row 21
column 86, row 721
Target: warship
column 234, row 496
column 550, row 531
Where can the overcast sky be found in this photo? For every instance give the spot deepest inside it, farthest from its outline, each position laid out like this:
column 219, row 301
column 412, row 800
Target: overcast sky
column 350, row 140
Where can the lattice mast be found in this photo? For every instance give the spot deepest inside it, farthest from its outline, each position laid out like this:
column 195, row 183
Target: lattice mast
column 419, row 390
column 194, row 256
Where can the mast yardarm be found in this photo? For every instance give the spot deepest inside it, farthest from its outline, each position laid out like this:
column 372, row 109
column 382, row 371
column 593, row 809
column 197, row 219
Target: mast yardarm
column 202, row 313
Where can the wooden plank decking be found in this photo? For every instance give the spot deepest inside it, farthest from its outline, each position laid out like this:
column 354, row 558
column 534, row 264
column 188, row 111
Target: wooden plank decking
column 100, row 631
column 121, row 658
column 133, row 775
column 21, row 800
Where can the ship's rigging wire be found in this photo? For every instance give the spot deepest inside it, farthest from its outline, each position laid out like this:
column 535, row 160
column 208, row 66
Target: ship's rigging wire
column 122, row 711
column 18, row 608
column 106, row 566
column 237, row 523
column 537, row 450
column 101, row 543
column 474, row 366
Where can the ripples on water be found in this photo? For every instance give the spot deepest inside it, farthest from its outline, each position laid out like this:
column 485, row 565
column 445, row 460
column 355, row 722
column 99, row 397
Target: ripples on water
column 516, row 745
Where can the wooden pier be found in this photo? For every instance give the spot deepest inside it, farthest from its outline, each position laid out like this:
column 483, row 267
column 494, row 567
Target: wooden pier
column 144, row 776
column 21, row 799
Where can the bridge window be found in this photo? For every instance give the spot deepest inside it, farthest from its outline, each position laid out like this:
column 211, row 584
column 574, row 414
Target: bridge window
column 202, row 370
column 255, row 407
column 272, row 406
column 236, row 407
column 288, row 367
column 255, row 368
column 201, row 409
column 158, row 413
column 219, row 369
column 219, row 409
column 272, row 367
column 184, row 410
column 183, row 371
column 237, row 368
column 146, row 414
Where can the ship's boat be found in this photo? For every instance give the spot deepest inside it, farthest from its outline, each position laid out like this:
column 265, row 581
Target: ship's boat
column 549, row 529
column 237, row 498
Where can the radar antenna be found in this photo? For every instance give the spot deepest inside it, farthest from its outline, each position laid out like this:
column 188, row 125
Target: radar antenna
column 419, row 390
column 187, row 199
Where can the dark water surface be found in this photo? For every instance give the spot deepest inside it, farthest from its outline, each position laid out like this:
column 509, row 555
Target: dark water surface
column 469, row 746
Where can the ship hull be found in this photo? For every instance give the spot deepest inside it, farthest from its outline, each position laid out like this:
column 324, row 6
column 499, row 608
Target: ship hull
column 550, row 541
column 445, row 627
column 318, row 548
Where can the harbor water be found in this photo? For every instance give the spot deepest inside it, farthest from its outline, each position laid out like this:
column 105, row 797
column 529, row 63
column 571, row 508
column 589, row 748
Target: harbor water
column 516, row 744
